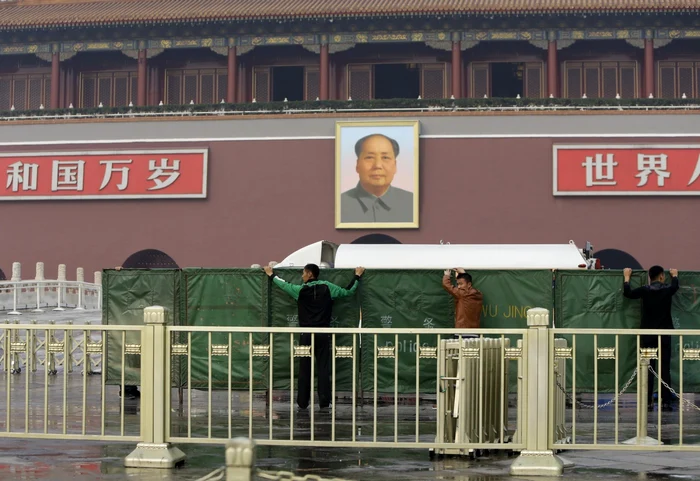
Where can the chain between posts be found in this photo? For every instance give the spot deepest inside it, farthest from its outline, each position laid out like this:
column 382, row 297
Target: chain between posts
column 593, row 406
column 215, row 475
column 289, row 476
column 220, row 473
column 689, row 403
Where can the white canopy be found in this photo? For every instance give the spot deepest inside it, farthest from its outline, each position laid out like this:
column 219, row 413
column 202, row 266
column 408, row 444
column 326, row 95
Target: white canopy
column 436, row 256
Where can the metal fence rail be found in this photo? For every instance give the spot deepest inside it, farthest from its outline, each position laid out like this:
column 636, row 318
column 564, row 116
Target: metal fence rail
column 626, row 426
column 42, row 402
column 383, row 422
column 36, row 353
column 424, row 388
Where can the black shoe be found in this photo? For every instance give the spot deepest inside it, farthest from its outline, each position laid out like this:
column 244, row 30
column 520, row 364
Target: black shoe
column 650, row 408
column 132, row 392
column 667, row 408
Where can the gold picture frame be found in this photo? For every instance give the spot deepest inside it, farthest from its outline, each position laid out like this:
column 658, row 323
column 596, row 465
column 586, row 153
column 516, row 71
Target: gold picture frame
column 373, row 188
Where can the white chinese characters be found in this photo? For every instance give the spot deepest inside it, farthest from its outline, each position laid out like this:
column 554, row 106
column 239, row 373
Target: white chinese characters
column 696, row 172
column 21, row 175
column 67, row 175
column 599, row 171
column 172, row 172
column 158, row 174
column 110, row 169
column 648, row 164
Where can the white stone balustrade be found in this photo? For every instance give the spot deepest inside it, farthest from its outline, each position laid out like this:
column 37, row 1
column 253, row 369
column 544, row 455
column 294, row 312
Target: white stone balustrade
column 17, row 295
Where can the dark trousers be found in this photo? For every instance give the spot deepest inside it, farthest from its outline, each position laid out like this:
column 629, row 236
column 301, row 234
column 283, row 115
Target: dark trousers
column 665, row 397
column 322, row 368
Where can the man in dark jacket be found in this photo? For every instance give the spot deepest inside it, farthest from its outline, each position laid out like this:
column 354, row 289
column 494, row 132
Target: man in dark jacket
column 315, row 304
column 656, row 314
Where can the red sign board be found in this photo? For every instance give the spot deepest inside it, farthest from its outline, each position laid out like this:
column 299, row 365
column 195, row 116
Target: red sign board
column 132, row 174
column 627, row 169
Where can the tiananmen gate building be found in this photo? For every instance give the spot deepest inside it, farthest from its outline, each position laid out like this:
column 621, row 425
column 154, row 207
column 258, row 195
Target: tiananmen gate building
column 229, row 132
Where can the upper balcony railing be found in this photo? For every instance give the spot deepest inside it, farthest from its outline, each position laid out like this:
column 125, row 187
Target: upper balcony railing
column 350, row 106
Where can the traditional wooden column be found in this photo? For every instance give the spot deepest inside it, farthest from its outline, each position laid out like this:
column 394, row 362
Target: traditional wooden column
column 648, row 67
column 552, row 69
column 456, row 68
column 232, row 75
column 324, row 72
column 55, row 80
column 142, row 78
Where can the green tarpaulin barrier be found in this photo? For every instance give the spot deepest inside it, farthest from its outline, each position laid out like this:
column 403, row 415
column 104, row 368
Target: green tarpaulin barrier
column 686, row 315
column 283, row 313
column 396, row 298
column 224, row 297
column 416, row 299
column 594, row 300
column 125, row 295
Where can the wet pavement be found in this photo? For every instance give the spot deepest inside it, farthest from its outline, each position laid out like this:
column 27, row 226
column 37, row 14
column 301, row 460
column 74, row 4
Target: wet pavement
column 60, row 460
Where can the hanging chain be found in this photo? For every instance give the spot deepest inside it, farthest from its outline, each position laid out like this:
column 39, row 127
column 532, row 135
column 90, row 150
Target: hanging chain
column 592, row 406
column 689, row 403
column 215, row 475
column 289, row 476
column 220, row 473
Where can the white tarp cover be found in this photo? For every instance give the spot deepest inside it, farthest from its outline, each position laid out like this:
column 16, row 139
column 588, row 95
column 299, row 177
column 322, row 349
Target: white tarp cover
column 436, row 256
column 489, row 256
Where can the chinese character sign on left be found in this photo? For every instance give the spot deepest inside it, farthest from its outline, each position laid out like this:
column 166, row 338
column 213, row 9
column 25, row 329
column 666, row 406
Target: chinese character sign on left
column 626, row 169
column 154, row 174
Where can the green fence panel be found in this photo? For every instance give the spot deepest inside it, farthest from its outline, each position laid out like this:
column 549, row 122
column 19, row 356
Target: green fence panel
column 283, row 313
column 224, row 297
column 402, row 299
column 686, row 315
column 125, row 294
column 592, row 299
column 416, row 299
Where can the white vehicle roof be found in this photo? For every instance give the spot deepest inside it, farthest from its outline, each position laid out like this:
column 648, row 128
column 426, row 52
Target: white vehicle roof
column 439, row 256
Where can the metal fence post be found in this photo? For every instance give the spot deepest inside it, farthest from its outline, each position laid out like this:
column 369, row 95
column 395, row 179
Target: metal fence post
column 153, row 451
column 240, row 459
column 537, row 459
column 642, row 436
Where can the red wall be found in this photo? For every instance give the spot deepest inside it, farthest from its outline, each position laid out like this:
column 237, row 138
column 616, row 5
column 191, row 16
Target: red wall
column 269, row 198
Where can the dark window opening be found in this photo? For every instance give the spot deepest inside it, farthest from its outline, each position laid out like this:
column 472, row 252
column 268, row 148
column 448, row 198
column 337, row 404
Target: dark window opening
column 150, row 259
column 376, row 239
column 507, row 79
column 287, row 83
column 396, row 81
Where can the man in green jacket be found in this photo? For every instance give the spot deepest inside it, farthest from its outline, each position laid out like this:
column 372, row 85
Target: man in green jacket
column 315, row 306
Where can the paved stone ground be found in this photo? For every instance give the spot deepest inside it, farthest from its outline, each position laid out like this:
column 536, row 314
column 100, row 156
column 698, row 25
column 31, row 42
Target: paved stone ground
column 57, row 460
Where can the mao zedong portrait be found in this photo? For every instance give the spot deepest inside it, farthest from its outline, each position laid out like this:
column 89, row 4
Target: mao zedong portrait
column 374, row 199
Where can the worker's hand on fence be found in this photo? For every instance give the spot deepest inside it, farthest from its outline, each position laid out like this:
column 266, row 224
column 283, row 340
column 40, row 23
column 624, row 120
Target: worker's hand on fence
column 268, row 270
column 673, row 272
column 448, row 272
column 118, row 268
column 627, row 272
column 359, row 271
column 459, row 270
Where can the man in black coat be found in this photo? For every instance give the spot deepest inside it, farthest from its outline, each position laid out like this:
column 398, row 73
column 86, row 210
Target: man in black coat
column 657, row 298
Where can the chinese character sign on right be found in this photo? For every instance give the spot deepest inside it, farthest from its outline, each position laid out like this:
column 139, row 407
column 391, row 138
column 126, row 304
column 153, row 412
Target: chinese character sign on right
column 627, row 169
